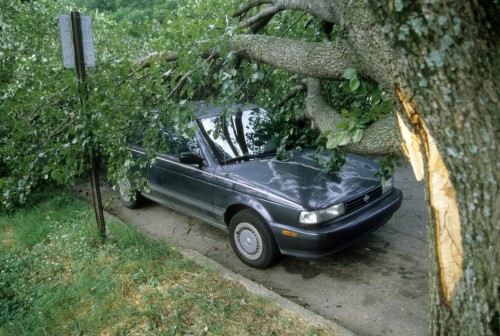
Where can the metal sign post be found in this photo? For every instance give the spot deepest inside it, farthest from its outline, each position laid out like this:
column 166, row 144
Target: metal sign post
column 76, row 32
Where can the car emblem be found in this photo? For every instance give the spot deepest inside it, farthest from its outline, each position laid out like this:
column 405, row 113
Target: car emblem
column 366, row 198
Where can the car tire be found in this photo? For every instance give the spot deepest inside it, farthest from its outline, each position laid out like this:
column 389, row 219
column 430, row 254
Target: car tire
column 252, row 240
column 130, row 197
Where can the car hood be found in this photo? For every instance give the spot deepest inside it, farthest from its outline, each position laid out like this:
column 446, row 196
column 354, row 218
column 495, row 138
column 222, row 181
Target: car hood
column 302, row 181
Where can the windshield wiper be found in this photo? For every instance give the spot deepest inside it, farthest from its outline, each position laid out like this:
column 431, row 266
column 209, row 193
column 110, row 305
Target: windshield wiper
column 271, row 152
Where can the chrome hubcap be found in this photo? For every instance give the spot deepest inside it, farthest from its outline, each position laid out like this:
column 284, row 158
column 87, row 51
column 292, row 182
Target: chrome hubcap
column 124, row 186
column 248, row 241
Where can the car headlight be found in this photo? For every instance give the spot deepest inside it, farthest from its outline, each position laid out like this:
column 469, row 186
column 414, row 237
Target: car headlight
column 318, row 216
column 387, row 185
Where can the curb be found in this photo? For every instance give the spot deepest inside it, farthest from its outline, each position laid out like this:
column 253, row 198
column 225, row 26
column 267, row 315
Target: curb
column 253, row 287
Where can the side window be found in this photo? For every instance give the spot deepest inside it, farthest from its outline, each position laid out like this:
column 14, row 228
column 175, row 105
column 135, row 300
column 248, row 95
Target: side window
column 186, row 145
column 175, row 142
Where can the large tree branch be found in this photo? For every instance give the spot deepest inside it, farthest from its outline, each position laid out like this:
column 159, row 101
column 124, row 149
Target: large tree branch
column 321, row 9
column 252, row 4
column 155, row 57
column 329, row 61
column 263, row 15
column 319, row 60
column 359, row 44
column 381, row 138
column 256, row 27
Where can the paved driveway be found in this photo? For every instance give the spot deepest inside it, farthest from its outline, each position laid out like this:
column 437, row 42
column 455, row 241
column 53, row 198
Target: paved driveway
column 377, row 287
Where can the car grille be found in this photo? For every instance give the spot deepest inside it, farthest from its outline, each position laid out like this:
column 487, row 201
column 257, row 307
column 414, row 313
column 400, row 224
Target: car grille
column 358, row 202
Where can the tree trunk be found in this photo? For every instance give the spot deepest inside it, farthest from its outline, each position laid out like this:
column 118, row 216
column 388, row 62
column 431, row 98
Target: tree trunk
column 449, row 85
column 442, row 60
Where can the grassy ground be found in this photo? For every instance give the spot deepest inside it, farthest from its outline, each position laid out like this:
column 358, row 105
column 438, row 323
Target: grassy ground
column 57, row 278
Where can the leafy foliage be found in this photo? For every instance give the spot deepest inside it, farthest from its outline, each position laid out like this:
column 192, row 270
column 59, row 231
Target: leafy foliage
column 138, row 11
column 152, row 57
column 35, row 113
column 360, row 102
column 387, row 166
column 46, row 135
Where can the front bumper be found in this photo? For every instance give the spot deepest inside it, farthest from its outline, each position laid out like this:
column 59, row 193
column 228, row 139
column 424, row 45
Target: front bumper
column 341, row 233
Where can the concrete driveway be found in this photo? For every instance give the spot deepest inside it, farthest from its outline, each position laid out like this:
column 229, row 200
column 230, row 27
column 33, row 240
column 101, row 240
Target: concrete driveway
column 377, row 287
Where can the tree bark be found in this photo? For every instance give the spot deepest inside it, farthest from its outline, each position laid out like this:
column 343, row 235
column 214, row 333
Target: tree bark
column 441, row 59
column 166, row 57
column 449, row 75
column 359, row 32
column 319, row 60
column 381, row 138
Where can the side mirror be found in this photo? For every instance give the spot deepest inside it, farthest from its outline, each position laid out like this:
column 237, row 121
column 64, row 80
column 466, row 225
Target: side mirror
column 190, row 158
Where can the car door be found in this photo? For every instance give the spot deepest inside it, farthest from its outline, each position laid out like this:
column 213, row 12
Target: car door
column 184, row 187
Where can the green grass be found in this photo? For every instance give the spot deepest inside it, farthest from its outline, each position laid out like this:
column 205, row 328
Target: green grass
column 58, row 278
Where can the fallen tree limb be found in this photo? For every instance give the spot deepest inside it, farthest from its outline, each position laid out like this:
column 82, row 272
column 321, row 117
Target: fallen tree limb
column 381, row 138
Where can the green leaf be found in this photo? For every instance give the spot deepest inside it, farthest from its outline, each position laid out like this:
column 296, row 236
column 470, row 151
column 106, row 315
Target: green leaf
column 354, row 84
column 343, row 125
column 326, row 133
column 331, row 143
column 343, row 139
column 358, row 134
column 353, row 125
column 350, row 73
column 364, row 120
column 356, row 114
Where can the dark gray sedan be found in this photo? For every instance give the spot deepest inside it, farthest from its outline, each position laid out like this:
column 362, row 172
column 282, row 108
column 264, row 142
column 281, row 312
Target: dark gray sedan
column 228, row 175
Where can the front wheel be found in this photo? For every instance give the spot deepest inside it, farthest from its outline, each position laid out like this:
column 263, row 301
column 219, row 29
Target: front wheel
column 252, row 240
column 130, row 197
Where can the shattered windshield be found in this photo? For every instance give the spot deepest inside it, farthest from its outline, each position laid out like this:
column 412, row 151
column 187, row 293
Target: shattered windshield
column 239, row 136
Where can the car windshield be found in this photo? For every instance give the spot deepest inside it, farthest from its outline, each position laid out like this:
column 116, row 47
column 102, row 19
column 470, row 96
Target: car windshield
column 239, row 136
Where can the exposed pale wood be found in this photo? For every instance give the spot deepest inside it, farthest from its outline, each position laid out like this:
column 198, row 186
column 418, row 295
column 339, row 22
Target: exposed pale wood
column 443, row 200
column 412, row 143
column 411, row 148
column 442, row 195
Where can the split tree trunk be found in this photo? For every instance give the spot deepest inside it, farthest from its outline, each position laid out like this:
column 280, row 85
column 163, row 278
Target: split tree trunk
column 449, row 85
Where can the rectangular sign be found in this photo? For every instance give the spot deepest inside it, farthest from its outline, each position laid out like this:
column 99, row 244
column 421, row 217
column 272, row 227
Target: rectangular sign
column 68, row 49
